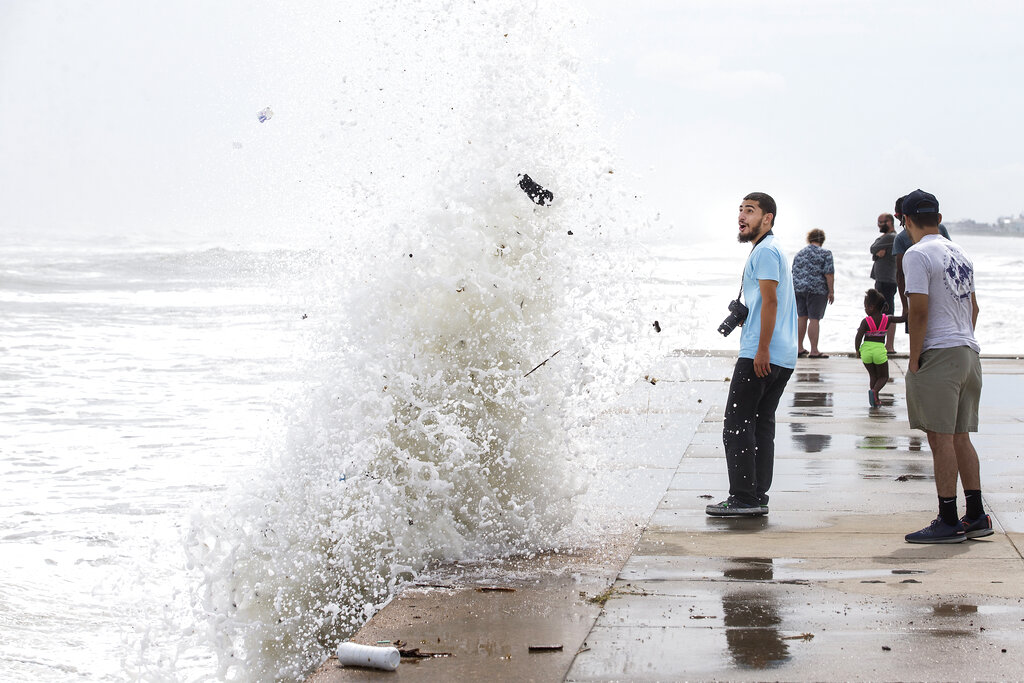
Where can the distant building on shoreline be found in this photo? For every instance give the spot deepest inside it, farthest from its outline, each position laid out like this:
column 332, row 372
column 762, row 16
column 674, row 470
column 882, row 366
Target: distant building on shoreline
column 1004, row 225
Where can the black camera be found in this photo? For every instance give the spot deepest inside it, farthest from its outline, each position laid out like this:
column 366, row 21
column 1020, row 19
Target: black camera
column 737, row 314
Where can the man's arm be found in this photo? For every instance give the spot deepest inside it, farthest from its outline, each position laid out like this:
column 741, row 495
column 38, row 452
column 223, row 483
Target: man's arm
column 830, row 279
column 918, row 319
column 878, row 248
column 901, row 283
column 974, row 311
column 769, row 309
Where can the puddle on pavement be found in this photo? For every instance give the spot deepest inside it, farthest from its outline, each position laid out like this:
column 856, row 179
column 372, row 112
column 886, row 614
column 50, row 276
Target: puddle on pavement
column 738, row 524
column 810, row 442
column 751, row 569
column 811, row 404
column 891, row 443
column 810, row 376
column 948, row 611
column 823, row 404
column 953, row 609
column 878, row 443
column 812, row 399
column 787, row 570
column 752, row 618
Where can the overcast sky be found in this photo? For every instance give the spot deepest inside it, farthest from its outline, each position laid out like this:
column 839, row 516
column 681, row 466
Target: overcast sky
column 109, row 110
column 834, row 107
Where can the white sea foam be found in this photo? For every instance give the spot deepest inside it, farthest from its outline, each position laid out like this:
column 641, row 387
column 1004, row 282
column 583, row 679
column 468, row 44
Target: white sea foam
column 466, row 334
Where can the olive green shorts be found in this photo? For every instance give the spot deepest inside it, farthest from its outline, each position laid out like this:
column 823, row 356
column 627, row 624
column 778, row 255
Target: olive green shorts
column 943, row 395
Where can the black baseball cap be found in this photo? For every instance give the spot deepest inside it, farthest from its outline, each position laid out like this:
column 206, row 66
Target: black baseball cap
column 918, row 202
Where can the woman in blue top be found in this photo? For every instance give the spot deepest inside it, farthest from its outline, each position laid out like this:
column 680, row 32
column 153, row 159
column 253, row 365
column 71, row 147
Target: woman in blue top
column 813, row 283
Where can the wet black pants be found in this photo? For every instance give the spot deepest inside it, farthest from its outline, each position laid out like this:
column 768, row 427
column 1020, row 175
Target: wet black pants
column 749, row 432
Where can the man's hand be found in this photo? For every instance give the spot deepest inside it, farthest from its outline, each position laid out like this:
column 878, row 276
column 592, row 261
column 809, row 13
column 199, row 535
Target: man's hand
column 915, row 365
column 762, row 366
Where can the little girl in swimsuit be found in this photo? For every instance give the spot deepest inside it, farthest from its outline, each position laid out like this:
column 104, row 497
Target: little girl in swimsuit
column 872, row 351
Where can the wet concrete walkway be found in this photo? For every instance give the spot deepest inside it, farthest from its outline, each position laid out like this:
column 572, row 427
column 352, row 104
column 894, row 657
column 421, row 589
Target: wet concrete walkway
column 824, row 588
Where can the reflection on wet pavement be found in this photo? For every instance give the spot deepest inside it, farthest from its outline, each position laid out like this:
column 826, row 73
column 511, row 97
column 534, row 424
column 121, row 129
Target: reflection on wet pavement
column 886, row 400
column 812, row 404
column 812, row 443
column 807, row 376
column 752, row 569
column 808, row 443
column 901, row 471
column 878, row 442
column 738, row 524
column 812, row 399
column 752, row 618
column 957, row 629
column 953, row 609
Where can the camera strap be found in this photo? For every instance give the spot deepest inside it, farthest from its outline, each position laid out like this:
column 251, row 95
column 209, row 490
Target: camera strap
column 739, row 297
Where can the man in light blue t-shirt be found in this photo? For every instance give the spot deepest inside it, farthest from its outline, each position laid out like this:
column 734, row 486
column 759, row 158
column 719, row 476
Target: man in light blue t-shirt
column 768, row 349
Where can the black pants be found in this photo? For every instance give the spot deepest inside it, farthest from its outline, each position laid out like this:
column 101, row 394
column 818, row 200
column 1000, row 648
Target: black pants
column 749, row 432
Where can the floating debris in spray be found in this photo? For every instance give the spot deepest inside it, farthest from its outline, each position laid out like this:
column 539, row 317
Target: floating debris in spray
column 537, row 194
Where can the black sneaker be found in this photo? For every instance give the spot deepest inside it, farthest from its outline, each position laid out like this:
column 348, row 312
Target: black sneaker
column 734, row 508
column 938, row 532
column 982, row 526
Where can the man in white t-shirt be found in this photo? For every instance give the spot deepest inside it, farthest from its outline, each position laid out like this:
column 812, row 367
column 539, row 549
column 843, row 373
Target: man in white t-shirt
column 944, row 381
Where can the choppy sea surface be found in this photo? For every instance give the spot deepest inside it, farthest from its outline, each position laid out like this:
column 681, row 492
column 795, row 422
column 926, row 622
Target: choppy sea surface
column 694, row 282
column 134, row 384
column 140, row 385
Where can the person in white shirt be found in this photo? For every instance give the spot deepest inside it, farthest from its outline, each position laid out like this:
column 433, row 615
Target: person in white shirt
column 944, row 378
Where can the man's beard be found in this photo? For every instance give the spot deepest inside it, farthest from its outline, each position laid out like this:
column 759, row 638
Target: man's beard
column 745, row 237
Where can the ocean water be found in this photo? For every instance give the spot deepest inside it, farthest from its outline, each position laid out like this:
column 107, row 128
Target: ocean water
column 693, row 282
column 136, row 384
column 149, row 391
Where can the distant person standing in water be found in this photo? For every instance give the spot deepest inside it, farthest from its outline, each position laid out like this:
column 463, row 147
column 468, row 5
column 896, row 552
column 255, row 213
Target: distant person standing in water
column 814, row 285
column 883, row 272
column 944, row 377
column 766, row 360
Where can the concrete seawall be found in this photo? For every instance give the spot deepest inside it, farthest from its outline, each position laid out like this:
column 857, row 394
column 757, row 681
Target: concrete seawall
column 823, row 588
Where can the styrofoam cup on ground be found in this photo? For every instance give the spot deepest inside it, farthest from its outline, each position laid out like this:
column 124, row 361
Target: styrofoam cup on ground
column 374, row 657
